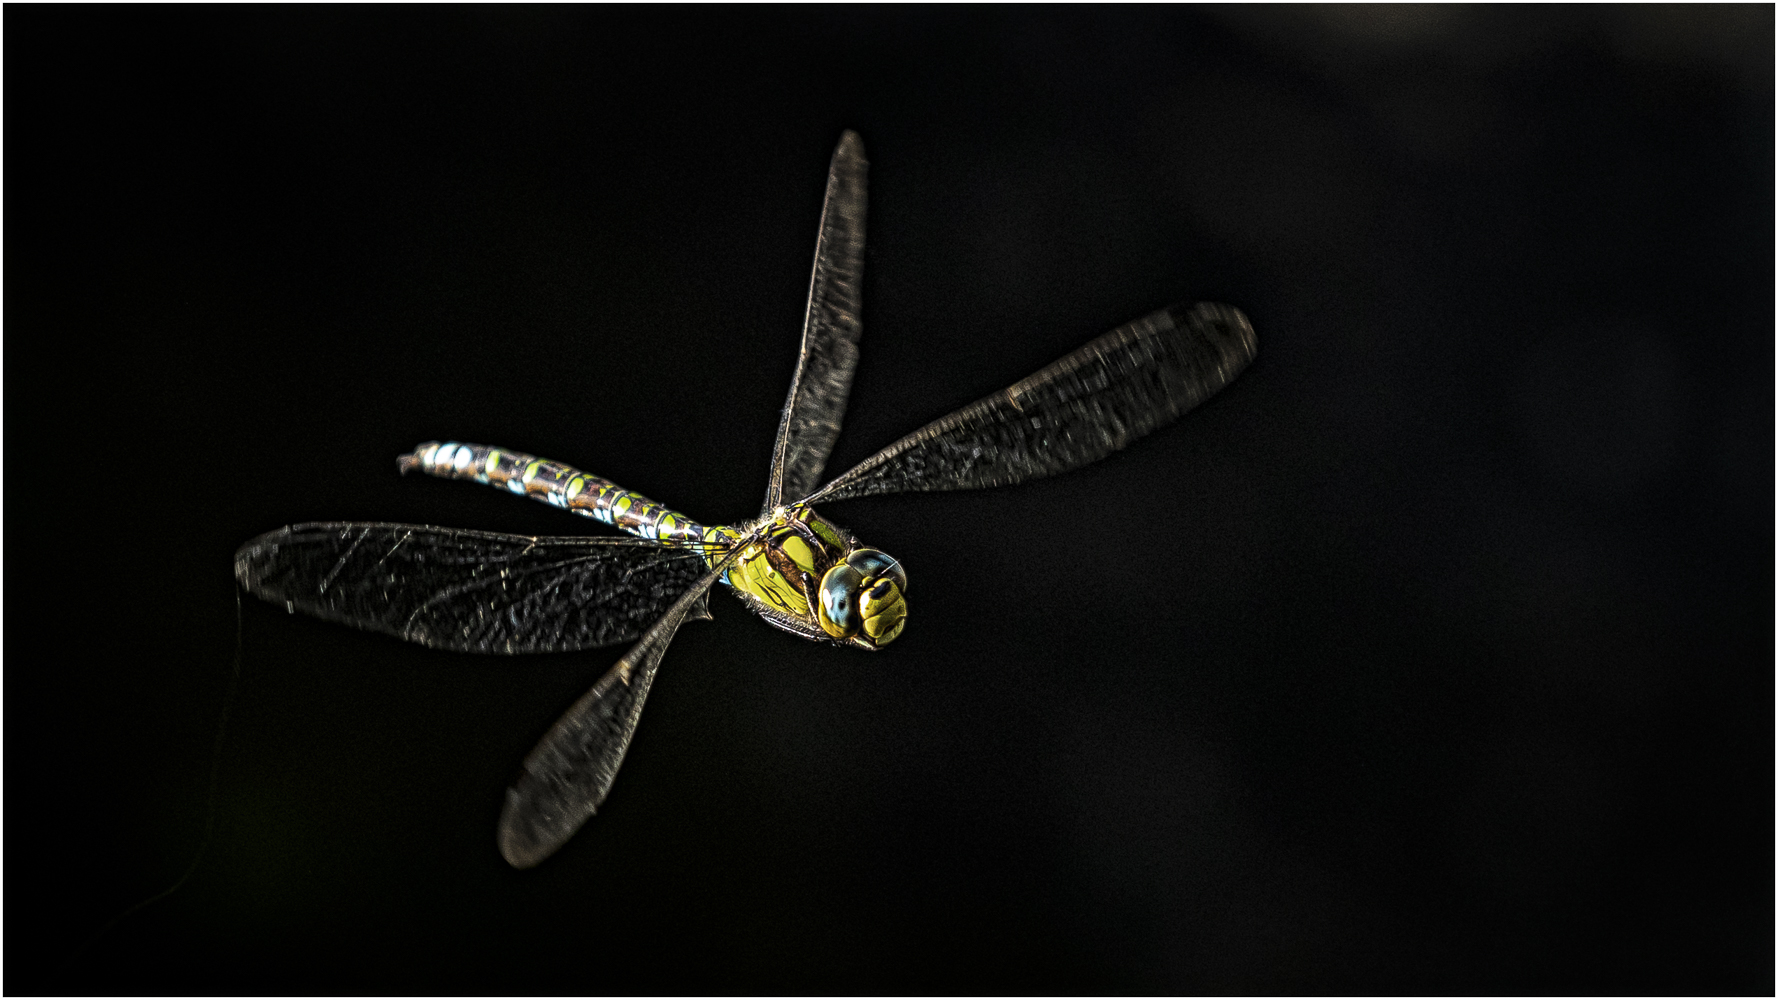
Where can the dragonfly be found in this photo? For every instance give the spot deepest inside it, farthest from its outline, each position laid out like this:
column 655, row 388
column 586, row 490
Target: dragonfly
column 488, row 592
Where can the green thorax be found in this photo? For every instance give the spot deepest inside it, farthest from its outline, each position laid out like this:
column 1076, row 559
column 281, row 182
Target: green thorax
column 779, row 570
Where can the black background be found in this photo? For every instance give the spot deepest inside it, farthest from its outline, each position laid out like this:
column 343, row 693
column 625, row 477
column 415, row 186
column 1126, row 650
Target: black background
column 1435, row 654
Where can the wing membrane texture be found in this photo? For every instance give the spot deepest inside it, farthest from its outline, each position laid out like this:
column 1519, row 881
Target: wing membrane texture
column 1138, row 377
column 831, row 330
column 469, row 591
column 567, row 775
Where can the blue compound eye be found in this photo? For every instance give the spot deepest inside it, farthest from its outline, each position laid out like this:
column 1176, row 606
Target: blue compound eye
column 839, row 604
column 872, row 562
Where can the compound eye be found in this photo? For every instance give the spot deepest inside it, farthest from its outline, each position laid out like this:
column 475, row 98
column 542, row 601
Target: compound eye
column 839, row 609
column 873, row 562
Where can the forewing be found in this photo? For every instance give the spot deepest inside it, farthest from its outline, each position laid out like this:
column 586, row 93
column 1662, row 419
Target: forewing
column 469, row 591
column 568, row 774
column 831, row 329
column 1138, row 377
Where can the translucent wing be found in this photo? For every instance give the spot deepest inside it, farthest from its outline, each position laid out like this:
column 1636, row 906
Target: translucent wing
column 1136, row 378
column 568, row 774
column 817, row 401
column 469, row 591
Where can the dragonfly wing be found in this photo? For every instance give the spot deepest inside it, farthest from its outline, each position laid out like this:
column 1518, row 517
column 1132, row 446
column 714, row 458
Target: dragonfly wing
column 469, row 591
column 1138, row 377
column 568, row 774
column 831, row 329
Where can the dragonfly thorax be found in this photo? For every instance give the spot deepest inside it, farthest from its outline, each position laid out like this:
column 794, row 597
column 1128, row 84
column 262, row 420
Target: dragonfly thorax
column 805, row 574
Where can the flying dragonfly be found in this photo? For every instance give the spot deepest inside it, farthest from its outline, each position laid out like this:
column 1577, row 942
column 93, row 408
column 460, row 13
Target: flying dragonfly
column 485, row 592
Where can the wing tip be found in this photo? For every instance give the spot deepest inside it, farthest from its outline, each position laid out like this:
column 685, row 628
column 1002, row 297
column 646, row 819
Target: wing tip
column 1226, row 328
column 519, row 855
column 850, row 147
column 518, row 841
column 250, row 557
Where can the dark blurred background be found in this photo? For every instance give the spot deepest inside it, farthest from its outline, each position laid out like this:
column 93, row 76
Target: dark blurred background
column 1434, row 655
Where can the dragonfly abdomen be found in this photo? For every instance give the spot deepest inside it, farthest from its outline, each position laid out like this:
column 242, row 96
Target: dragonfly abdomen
column 562, row 486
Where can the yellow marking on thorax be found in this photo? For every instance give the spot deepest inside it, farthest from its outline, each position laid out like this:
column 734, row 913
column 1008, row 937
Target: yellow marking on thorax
column 753, row 572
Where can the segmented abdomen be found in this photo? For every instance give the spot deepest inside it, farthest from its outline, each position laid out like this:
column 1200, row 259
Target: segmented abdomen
column 566, row 487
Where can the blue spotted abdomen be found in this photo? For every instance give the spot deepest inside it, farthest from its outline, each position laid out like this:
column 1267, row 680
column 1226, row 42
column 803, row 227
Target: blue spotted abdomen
column 566, row 487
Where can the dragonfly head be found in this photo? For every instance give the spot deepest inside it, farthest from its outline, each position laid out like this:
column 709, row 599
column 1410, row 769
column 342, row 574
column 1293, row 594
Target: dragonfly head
column 863, row 598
